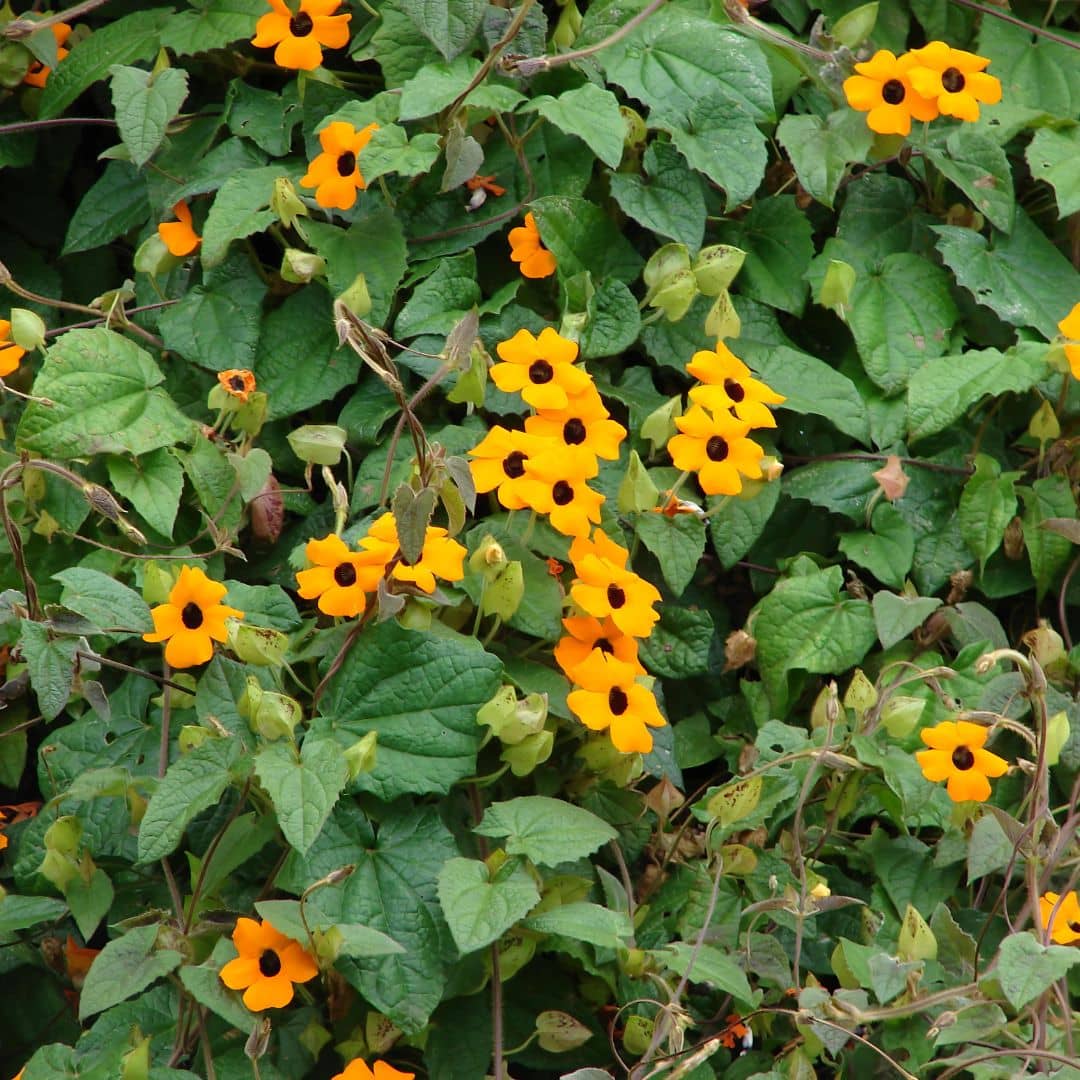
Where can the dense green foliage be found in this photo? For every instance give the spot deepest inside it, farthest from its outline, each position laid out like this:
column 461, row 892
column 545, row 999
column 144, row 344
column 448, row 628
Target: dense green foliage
column 489, row 888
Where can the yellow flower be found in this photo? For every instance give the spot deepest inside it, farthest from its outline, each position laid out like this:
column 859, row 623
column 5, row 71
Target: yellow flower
column 555, row 484
column 542, row 369
column 604, row 587
column 334, row 174
column 1065, row 927
column 714, row 445
column 268, row 965
column 584, row 422
column 586, row 635
column 957, row 755
column 953, row 79
column 441, row 557
column 299, row 36
column 38, row 74
column 360, row 1070
column 883, row 90
column 179, row 236
column 10, row 353
column 525, row 248
column 610, row 700
column 340, row 578
column 729, row 384
column 192, row 620
column 499, row 464
column 1069, row 327
column 237, row 382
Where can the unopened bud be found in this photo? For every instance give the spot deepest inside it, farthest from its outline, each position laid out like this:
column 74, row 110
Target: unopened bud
column 1044, row 424
column 559, row 1032
column 715, row 268
column 258, row 645
column 771, row 469
column 318, row 444
column 1048, row 649
column 191, row 737
column 154, row 258
column 860, row 694
column 286, row 203
column 637, row 492
column 299, row 267
column 502, row 595
column 659, row 426
column 489, row 558
column 636, row 131
column 362, row 755
column 27, row 329
column 900, row 714
column 723, row 320
column 356, row 298
column 526, row 755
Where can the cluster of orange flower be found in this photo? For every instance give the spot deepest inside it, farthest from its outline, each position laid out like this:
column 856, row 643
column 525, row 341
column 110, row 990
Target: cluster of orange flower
column 936, row 80
column 340, row 579
column 727, row 404
column 545, row 468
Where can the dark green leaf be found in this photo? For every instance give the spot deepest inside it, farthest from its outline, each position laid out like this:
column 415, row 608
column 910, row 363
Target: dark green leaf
column 480, row 909
column 547, row 831
column 113, row 206
column 125, row 966
column 144, row 103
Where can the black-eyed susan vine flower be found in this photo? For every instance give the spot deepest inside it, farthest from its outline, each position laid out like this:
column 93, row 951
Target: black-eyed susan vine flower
column 956, row 754
column 335, row 174
column 883, row 90
column 10, row 354
column 498, row 464
column 555, row 484
column 1063, row 924
column 526, row 249
column 237, row 382
column 1069, row 327
column 192, row 620
column 606, row 588
column 38, row 74
column 298, row 37
column 441, row 557
column 584, row 422
column 609, row 699
column 714, row 445
column 541, row 368
column 377, row 1070
column 727, row 383
column 179, row 236
column 585, row 635
column 267, row 967
column 953, row 79
column 340, row 579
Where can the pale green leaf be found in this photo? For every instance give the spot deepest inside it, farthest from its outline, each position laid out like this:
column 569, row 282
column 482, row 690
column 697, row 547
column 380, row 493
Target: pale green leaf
column 548, row 831
column 144, row 103
column 480, row 908
column 126, row 966
column 590, row 113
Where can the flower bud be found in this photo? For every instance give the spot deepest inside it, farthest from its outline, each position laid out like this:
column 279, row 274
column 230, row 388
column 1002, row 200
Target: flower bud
column 158, row 581
column 637, row 492
column 415, row 615
column 27, row 329
column 723, row 320
column 636, row 131
column 154, row 258
column 560, row 1032
column 525, row 756
column 489, row 558
column 568, row 27
column 716, row 266
column 380, row 1032
column 357, row 298
column 632, row 962
column 299, row 267
column 503, row 593
column 1057, row 735
column 276, row 716
column 361, row 756
column 258, row 645
column 499, row 711
column 900, row 714
column 250, row 415
column 1048, row 649
column 637, row 1035
column 675, row 295
column 471, row 384
column 285, row 203
column 664, row 264
column 860, row 694
column 135, row 1064
column 1044, row 424
column 63, row 836
column 179, row 699
column 318, row 444
column 837, row 286
column 136, row 804
column 771, row 469
column 516, row 948
column 15, row 61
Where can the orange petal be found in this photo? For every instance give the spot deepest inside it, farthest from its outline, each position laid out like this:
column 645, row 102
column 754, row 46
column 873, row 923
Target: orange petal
column 298, row 54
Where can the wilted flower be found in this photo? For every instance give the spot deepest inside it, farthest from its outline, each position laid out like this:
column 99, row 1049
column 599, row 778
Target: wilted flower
column 237, row 382
column 38, row 74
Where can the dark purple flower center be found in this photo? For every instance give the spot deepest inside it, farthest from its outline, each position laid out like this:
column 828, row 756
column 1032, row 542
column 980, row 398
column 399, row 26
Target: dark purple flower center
column 346, row 164
column 236, row 382
column 540, row 371
column 963, row 758
column 269, row 963
column 893, row 92
column 716, row 449
column 573, row 432
column 734, row 390
column 345, row 574
column 514, row 464
column 301, row 24
column 953, row 80
column 604, row 646
column 615, row 596
column 562, row 493
column 617, row 701
column 192, row 616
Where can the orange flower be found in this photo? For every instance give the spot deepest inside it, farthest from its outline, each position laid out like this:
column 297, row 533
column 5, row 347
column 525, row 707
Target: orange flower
column 554, row 484
column 610, row 700
column 360, row 1070
column 604, row 587
column 956, row 754
column 38, row 74
column 485, row 183
column 268, row 965
column 10, row 353
column 735, row 1033
column 1069, row 327
column 541, row 368
column 3, row 840
column 554, row 567
column 179, row 236
column 1063, row 924
column 440, row 557
column 300, row 37
column 192, row 620
column 78, row 959
column 601, row 546
column 586, row 635
column 883, row 90
column 340, row 578
column 499, row 464
column 583, row 422
column 714, row 445
column 953, row 79
column 238, row 382
column 526, row 248
column 729, row 384
column 334, row 174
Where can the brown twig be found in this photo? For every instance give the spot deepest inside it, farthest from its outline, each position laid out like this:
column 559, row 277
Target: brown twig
column 1012, row 20
column 20, row 28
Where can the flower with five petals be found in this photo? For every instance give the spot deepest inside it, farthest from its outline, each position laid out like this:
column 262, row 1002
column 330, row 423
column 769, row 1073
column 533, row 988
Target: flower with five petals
column 340, row 579
column 334, row 174
column 956, row 754
column 714, row 445
column 729, row 384
column 609, row 699
column 299, row 36
column 268, row 965
column 192, row 620
column 953, row 79
column 883, row 90
column 541, row 368
column 440, row 557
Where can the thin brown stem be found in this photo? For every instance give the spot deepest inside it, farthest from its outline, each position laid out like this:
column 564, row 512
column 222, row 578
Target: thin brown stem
column 1012, row 20
column 59, row 121
column 20, row 28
